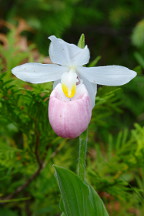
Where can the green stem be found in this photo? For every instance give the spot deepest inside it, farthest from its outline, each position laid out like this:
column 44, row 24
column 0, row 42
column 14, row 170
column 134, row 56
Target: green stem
column 82, row 155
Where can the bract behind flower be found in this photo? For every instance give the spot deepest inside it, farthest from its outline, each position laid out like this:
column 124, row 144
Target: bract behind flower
column 69, row 117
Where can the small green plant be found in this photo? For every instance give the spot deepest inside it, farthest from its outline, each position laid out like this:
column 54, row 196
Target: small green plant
column 29, row 148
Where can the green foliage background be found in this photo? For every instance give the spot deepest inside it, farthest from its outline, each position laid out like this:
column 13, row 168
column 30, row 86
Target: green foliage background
column 29, row 147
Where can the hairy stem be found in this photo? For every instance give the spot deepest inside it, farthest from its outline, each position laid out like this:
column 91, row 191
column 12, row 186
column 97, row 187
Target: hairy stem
column 82, row 155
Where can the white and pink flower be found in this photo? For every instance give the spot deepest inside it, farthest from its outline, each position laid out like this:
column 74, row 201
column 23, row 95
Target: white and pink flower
column 75, row 86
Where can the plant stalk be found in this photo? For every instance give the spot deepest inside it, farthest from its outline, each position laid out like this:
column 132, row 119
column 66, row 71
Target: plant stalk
column 83, row 139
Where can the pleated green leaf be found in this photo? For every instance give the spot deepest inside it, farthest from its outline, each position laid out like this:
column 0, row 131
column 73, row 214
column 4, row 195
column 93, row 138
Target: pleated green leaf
column 78, row 198
column 98, row 208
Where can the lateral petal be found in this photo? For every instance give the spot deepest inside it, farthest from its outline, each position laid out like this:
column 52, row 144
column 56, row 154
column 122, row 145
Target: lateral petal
column 112, row 75
column 38, row 73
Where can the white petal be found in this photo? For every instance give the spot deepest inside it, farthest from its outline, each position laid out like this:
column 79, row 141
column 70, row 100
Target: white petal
column 63, row 53
column 38, row 73
column 91, row 88
column 107, row 75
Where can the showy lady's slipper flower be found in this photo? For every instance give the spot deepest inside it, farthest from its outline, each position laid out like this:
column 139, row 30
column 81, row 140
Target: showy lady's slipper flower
column 75, row 86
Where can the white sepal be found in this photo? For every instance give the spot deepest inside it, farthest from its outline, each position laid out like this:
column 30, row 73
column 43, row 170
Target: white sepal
column 67, row 54
column 56, row 83
column 91, row 88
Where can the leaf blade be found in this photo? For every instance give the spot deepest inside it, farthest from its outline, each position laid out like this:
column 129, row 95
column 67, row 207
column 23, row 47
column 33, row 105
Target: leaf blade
column 78, row 198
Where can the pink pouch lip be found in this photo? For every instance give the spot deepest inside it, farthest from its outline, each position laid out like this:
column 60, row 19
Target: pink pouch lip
column 69, row 118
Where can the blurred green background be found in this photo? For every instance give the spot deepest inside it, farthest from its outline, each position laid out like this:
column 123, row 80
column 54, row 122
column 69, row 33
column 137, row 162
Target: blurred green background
column 114, row 33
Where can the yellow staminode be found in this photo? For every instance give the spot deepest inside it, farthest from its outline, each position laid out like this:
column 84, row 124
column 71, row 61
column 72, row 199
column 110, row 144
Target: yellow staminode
column 69, row 92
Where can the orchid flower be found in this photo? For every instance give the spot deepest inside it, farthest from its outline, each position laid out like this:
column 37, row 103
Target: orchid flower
column 75, row 86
